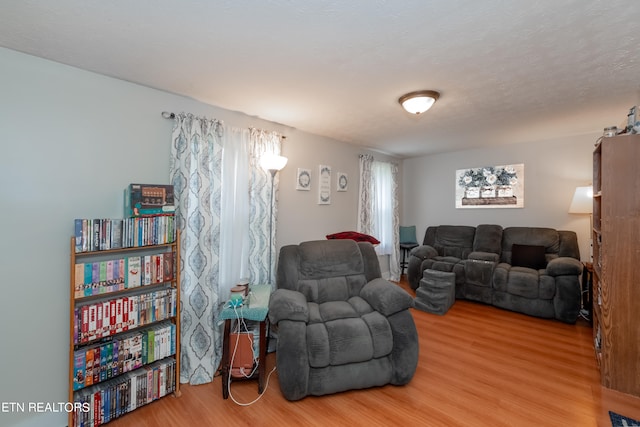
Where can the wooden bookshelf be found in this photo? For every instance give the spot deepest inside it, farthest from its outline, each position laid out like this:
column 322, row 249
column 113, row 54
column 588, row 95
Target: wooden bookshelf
column 616, row 246
column 157, row 302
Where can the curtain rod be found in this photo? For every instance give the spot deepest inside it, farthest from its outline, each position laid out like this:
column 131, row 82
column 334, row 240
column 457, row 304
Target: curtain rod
column 168, row 115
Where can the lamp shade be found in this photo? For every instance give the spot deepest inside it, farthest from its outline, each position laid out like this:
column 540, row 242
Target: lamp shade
column 582, row 202
column 418, row 102
column 273, row 162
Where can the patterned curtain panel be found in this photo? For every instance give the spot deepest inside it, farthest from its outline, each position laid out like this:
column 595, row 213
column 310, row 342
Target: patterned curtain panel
column 394, row 266
column 365, row 205
column 195, row 172
column 260, row 186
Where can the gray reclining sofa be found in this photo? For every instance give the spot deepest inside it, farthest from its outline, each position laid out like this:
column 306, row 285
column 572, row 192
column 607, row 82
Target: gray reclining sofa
column 531, row 270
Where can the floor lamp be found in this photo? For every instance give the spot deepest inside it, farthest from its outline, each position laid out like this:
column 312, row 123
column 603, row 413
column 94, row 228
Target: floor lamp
column 272, row 163
column 582, row 203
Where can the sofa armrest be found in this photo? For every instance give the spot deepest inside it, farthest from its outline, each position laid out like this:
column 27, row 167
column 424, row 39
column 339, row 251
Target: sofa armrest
column 484, row 256
column 564, row 266
column 286, row 304
column 385, row 297
column 424, row 252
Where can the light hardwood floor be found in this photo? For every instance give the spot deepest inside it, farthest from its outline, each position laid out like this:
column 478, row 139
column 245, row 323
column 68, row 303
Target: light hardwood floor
column 479, row 366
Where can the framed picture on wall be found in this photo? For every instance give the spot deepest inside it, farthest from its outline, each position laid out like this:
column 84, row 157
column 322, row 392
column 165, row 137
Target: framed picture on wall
column 324, row 185
column 490, row 187
column 342, row 181
column 303, row 179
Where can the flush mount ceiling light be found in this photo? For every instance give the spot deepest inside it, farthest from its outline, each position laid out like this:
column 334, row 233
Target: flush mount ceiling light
column 418, row 102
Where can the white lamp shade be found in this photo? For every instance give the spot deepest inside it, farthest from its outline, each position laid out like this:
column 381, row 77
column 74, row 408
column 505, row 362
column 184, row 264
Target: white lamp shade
column 418, row 102
column 582, row 202
column 273, row 162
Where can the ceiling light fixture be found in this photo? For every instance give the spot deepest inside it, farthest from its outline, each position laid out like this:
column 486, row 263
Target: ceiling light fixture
column 418, row 102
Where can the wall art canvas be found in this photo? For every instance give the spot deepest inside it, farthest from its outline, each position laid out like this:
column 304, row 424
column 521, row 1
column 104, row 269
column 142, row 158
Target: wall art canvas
column 303, row 179
column 490, row 187
column 324, row 185
column 342, row 181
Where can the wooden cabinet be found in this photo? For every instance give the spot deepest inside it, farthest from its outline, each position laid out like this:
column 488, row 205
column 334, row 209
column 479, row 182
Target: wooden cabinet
column 124, row 339
column 616, row 255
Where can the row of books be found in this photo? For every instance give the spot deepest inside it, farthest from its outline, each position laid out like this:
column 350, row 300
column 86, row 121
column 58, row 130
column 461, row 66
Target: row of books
column 103, row 319
column 101, row 362
column 101, row 277
column 102, row 403
column 105, row 234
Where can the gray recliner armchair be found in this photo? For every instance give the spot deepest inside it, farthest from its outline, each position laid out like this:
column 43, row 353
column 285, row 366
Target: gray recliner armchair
column 340, row 326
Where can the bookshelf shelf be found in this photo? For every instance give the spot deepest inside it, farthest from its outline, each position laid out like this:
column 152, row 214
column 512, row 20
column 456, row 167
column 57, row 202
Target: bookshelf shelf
column 616, row 244
column 124, row 328
column 121, row 250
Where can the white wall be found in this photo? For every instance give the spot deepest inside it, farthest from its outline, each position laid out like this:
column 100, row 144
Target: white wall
column 300, row 216
column 552, row 170
column 71, row 142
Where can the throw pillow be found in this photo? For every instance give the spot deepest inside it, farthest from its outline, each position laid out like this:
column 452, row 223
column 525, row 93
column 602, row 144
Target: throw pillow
column 354, row 235
column 530, row 256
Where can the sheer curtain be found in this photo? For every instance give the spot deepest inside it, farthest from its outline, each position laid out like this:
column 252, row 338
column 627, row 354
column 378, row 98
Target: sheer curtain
column 378, row 210
column 223, row 198
column 234, row 236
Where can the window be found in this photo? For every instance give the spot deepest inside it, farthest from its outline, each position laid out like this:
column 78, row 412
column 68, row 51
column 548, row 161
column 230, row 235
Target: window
column 383, row 201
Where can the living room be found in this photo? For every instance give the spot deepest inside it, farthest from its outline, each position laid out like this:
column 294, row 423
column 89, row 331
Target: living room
column 74, row 139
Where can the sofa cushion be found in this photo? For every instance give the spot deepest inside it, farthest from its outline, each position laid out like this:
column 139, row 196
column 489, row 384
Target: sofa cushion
column 336, row 310
column 530, row 256
column 488, row 238
column 523, row 282
column 334, row 258
column 349, row 340
column 454, row 240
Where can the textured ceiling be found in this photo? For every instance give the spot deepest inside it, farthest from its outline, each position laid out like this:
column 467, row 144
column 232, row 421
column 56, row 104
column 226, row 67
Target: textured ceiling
column 508, row 70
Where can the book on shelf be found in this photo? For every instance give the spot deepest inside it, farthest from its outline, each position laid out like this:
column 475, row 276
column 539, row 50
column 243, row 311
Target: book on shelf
column 118, row 396
column 102, row 361
column 101, row 277
column 105, row 234
column 134, row 272
column 105, row 318
column 79, row 369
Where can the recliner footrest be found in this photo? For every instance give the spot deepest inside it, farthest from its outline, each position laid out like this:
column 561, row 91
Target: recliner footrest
column 436, row 293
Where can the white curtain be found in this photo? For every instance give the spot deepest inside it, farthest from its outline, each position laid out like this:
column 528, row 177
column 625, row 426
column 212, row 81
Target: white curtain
column 234, row 236
column 378, row 211
column 223, row 198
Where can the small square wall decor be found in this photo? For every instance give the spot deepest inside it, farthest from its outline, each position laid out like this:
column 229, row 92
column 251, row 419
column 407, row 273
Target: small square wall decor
column 342, row 181
column 303, row 179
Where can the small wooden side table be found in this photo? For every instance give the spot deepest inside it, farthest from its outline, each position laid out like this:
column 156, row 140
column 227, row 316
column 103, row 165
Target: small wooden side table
column 256, row 309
